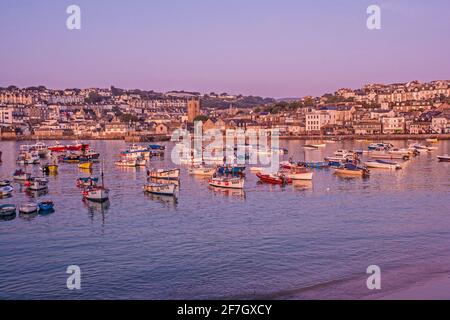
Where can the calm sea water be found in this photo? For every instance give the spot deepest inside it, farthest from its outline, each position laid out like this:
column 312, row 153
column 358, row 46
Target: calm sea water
column 312, row 240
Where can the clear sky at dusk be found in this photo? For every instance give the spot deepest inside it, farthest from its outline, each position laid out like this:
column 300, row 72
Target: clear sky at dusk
column 282, row 48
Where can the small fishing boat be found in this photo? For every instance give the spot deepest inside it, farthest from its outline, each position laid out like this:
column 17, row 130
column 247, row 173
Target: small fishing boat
column 141, row 162
column 315, row 165
column 257, row 169
column 274, row 178
column 432, row 140
column 50, row 168
column 444, row 158
column 91, row 154
column 86, row 182
column 28, row 208
column 319, row 145
column 383, row 164
column 46, row 206
column 352, row 170
column 169, row 174
column 78, row 146
column 299, row 173
column 156, row 147
column 28, row 157
column 230, row 170
column 202, row 171
column 6, row 191
column 7, row 210
column 310, row 147
column 21, row 175
column 226, row 182
column 126, row 163
column 378, row 146
column 382, row 154
column 85, row 165
column 167, row 189
column 57, row 147
column 36, row 184
column 96, row 193
column 4, row 183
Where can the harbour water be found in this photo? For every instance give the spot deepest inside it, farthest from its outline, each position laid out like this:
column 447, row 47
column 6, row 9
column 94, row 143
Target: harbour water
column 308, row 240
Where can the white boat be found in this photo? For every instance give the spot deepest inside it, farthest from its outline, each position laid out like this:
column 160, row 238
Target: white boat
column 36, row 184
column 21, row 175
column 6, row 191
column 257, row 169
column 126, row 163
column 141, row 162
column 444, row 158
column 297, row 174
column 96, row 193
column 28, row 208
column 225, row 182
column 383, row 164
column 202, row 171
column 171, row 174
column 319, row 145
column 381, row 154
column 28, row 157
column 7, row 210
column 167, row 189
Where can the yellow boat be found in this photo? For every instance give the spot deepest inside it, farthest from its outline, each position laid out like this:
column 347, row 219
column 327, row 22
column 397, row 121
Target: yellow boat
column 50, row 169
column 432, row 140
column 85, row 165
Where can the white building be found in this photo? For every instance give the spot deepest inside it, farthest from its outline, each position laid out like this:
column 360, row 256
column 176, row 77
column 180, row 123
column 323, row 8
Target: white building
column 6, row 116
column 440, row 124
column 393, row 125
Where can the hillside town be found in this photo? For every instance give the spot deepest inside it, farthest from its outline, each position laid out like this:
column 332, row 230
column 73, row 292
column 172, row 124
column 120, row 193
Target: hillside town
column 97, row 113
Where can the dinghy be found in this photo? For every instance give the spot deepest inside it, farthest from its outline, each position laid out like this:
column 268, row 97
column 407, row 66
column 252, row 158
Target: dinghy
column 169, row 174
column 28, row 208
column 351, row 170
column 6, row 191
column 275, row 178
column 46, row 206
column 167, row 189
column 225, row 182
column 202, row 171
column 383, row 164
column 7, row 210
column 299, row 173
column 444, row 158
column 21, row 175
column 36, row 184
column 85, row 165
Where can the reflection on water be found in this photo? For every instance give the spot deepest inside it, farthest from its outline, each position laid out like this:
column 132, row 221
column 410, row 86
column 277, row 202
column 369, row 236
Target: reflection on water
column 280, row 240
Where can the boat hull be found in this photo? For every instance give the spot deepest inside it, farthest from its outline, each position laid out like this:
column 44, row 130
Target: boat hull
column 167, row 189
column 227, row 183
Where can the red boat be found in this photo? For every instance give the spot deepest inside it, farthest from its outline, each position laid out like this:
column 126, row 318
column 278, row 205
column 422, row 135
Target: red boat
column 77, row 147
column 57, row 148
column 274, row 178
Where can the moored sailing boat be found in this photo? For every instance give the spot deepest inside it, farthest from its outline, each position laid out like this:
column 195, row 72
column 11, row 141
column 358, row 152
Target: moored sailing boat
column 226, row 182
column 169, row 174
column 96, row 193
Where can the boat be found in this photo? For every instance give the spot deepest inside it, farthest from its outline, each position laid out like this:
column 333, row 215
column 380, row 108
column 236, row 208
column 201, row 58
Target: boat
column 78, row 146
column 6, row 191
column 91, row 154
column 315, row 165
column 444, row 158
column 7, row 210
column 21, row 175
column 257, row 169
column 160, row 188
column 432, row 140
column 202, row 171
column 50, row 168
column 383, row 164
column 36, row 184
column 57, row 147
column 28, row 157
column 169, row 174
column 274, row 178
column 4, row 183
column 96, row 193
column 126, row 163
column 352, row 170
column 156, row 147
column 319, row 145
column 299, row 173
column 39, row 147
column 141, row 162
column 227, row 182
column 46, row 206
column 85, row 165
column 383, row 154
column 230, row 170
column 377, row 146
column 310, row 147
column 86, row 182
column 422, row 147
column 28, row 208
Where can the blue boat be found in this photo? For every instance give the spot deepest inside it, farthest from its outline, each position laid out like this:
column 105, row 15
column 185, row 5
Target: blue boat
column 230, row 170
column 315, row 165
column 156, row 147
column 46, row 206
